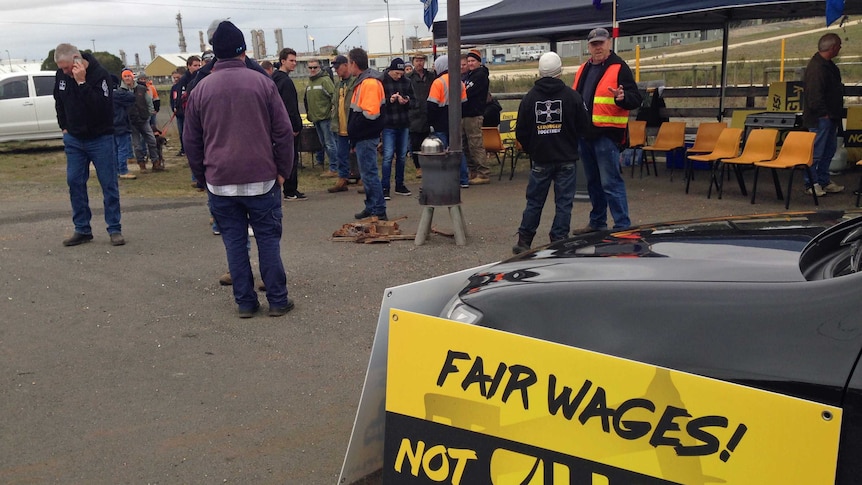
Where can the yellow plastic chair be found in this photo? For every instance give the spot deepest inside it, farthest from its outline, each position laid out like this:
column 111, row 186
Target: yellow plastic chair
column 670, row 138
column 797, row 153
column 636, row 141
column 727, row 146
column 494, row 144
column 759, row 147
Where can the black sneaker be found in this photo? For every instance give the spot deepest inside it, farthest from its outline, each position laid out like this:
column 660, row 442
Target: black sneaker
column 382, row 217
column 403, row 190
column 77, row 238
column 362, row 215
column 295, row 196
column 386, row 194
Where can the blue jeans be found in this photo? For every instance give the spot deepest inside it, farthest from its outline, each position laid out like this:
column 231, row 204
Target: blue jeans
column 366, row 157
column 123, row 152
column 263, row 214
column 180, row 120
column 342, row 152
column 396, row 141
column 825, row 146
column 604, row 183
column 465, row 173
column 563, row 176
column 79, row 153
column 327, row 139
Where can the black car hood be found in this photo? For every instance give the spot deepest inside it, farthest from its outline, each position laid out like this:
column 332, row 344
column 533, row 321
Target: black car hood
column 724, row 298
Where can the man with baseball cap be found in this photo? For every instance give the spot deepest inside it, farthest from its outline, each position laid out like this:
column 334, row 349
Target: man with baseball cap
column 340, row 111
column 419, row 126
column 608, row 88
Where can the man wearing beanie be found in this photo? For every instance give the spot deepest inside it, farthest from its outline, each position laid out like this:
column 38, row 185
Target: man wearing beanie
column 225, row 111
column 472, row 113
column 609, row 91
column 438, row 110
column 396, row 125
column 421, row 79
column 551, row 117
column 364, row 125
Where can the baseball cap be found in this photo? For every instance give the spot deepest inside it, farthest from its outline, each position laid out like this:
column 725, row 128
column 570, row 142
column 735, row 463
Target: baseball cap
column 598, row 35
column 339, row 60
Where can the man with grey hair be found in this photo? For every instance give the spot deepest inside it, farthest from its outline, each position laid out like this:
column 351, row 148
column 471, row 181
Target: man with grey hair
column 822, row 113
column 84, row 103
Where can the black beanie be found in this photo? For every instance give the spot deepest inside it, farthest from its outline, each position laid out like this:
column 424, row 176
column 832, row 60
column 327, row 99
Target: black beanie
column 397, row 64
column 228, row 41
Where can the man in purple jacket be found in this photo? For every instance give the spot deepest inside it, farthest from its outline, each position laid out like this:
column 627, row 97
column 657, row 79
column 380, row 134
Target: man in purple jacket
column 239, row 143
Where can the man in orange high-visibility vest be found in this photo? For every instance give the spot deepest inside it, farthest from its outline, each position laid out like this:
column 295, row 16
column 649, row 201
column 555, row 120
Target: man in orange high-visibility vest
column 609, row 91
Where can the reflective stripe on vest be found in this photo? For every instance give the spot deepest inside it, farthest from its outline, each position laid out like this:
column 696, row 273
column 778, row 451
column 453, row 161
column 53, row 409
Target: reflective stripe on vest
column 367, row 99
column 435, row 96
column 606, row 113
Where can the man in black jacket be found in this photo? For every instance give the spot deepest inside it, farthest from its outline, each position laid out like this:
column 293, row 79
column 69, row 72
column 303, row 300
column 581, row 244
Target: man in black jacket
column 419, row 126
column 287, row 90
column 472, row 113
column 550, row 119
column 84, row 103
column 823, row 110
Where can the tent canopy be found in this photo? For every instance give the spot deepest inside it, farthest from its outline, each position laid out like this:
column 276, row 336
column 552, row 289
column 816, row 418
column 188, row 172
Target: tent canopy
column 517, row 21
column 639, row 17
column 523, row 21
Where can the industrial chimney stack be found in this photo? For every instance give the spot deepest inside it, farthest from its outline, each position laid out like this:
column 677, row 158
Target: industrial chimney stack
column 180, row 29
column 123, row 57
column 279, row 41
column 152, row 52
column 258, row 44
column 137, row 60
column 201, row 36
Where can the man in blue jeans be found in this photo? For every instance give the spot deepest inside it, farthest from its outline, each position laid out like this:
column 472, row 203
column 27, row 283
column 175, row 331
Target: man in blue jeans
column 608, row 88
column 822, row 113
column 243, row 179
column 365, row 122
column 82, row 95
column 550, row 118
column 396, row 125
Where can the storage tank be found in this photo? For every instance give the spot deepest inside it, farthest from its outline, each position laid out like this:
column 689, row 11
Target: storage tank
column 378, row 35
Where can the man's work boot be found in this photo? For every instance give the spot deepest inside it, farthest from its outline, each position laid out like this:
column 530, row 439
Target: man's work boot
column 143, row 166
column 225, row 279
column 340, row 186
column 523, row 244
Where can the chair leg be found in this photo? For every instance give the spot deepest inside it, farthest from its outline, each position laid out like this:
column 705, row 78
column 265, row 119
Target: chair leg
column 513, row 160
column 754, row 185
column 777, row 184
column 858, row 192
column 740, row 179
column 502, row 165
column 713, row 180
column 789, row 185
column 688, row 167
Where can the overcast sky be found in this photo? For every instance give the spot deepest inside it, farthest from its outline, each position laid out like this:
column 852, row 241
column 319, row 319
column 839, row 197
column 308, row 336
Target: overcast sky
column 31, row 28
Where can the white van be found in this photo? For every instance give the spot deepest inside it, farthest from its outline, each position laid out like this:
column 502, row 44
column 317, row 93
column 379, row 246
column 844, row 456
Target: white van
column 27, row 106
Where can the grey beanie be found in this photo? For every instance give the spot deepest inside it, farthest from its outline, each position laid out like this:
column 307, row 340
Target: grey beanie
column 441, row 64
column 550, row 65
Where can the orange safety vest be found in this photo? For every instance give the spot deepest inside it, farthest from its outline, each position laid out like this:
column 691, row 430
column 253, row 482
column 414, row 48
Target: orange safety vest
column 153, row 91
column 439, row 93
column 368, row 97
column 606, row 113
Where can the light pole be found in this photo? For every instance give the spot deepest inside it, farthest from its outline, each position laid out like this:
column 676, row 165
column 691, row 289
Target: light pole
column 9, row 56
column 415, row 37
column 306, row 38
column 94, row 44
column 389, row 25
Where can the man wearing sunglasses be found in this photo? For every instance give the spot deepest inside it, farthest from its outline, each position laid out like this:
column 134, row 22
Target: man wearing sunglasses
column 318, row 109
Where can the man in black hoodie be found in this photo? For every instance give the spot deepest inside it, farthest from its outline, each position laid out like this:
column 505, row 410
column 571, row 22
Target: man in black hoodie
column 84, row 102
column 550, row 119
column 287, row 90
column 472, row 113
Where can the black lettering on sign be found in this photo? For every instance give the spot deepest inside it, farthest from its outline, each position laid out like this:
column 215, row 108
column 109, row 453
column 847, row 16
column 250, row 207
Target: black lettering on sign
column 520, row 377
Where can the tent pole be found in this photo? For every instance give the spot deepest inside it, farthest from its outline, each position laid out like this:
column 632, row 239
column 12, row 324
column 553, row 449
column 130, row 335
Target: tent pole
column 724, row 47
column 453, row 37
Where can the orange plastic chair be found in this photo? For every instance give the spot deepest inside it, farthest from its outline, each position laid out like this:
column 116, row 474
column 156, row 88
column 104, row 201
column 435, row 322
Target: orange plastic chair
column 727, row 146
column 670, row 138
column 636, row 141
column 494, row 144
column 759, row 147
column 706, row 137
column 797, row 153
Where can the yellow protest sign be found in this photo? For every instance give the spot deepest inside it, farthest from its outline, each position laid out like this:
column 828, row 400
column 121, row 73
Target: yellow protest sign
column 470, row 405
column 785, row 96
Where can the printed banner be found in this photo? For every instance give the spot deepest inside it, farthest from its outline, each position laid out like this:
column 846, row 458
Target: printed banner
column 471, row 405
column 785, row 96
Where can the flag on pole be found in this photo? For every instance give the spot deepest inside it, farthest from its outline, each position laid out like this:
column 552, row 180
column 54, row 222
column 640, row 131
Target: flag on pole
column 834, row 11
column 430, row 11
